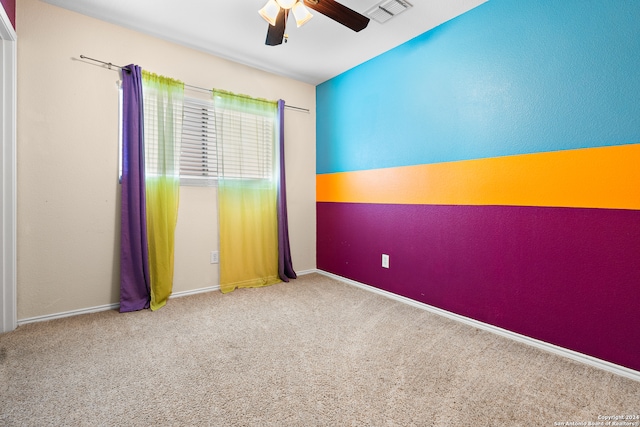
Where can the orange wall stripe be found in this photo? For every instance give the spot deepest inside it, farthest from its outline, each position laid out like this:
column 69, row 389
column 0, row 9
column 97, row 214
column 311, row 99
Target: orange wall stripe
column 604, row 177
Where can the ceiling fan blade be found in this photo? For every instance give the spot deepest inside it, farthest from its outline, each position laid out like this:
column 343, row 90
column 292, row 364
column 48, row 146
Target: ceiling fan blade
column 275, row 33
column 339, row 13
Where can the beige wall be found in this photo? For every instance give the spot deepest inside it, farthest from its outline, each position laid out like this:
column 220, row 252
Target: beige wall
column 68, row 193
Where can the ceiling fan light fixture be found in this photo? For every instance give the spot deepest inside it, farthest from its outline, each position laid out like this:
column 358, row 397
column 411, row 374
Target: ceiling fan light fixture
column 301, row 14
column 270, row 12
column 286, row 4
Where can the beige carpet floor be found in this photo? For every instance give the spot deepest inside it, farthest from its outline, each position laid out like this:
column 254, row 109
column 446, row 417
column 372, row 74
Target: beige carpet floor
column 314, row 352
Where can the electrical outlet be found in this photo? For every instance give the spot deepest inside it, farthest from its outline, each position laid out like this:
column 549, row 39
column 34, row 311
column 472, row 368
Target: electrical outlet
column 385, row 261
column 215, row 258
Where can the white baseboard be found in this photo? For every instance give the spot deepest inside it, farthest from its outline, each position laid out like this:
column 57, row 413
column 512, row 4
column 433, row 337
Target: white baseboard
column 305, row 272
column 574, row 355
column 116, row 306
column 194, row 292
column 53, row 316
column 106, row 307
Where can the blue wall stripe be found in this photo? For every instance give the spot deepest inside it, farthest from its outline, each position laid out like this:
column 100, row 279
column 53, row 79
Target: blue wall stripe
column 508, row 88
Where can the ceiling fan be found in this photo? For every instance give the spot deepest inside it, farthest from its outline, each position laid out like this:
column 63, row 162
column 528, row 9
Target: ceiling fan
column 276, row 12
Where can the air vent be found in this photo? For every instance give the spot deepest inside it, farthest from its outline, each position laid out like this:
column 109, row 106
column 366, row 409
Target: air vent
column 386, row 10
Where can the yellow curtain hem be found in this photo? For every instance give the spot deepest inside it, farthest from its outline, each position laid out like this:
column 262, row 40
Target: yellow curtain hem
column 157, row 305
column 252, row 283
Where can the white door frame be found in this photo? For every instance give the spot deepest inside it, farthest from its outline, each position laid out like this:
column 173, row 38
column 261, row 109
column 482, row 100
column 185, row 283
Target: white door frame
column 8, row 271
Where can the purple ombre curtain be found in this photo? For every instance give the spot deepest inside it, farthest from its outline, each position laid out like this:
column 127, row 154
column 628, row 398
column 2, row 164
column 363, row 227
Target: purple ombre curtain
column 134, row 258
column 285, row 266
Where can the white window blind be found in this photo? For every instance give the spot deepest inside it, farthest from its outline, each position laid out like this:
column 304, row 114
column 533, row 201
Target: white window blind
column 199, row 152
column 217, row 143
column 162, row 131
column 247, row 144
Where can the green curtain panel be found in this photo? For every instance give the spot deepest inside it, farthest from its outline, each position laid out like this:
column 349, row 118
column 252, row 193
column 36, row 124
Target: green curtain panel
column 247, row 190
column 163, row 108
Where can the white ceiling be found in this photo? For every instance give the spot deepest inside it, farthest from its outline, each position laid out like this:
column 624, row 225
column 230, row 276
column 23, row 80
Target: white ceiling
column 232, row 29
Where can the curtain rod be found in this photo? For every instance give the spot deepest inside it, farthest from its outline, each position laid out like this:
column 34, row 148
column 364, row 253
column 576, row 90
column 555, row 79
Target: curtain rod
column 110, row 65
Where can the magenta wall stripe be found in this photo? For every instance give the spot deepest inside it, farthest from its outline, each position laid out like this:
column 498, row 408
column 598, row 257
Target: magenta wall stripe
column 9, row 7
column 565, row 276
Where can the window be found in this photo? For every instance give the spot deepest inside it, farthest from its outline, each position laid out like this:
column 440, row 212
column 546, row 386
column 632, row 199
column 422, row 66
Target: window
column 120, row 140
column 199, row 152
column 248, row 145
column 163, row 104
column 222, row 142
